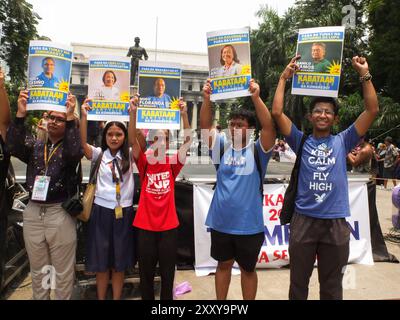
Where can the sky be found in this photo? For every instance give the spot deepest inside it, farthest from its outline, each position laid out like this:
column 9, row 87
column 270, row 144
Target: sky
column 182, row 25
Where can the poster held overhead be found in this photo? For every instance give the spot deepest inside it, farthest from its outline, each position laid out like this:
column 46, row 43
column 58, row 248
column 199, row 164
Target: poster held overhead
column 160, row 89
column 49, row 72
column 229, row 63
column 321, row 51
column 109, row 88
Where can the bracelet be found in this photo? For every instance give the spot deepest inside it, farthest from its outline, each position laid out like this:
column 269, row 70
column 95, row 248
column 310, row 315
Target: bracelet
column 366, row 77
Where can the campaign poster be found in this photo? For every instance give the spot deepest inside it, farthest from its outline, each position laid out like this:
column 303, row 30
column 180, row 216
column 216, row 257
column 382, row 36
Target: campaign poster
column 321, row 51
column 159, row 89
column 49, row 73
column 229, row 63
column 109, row 88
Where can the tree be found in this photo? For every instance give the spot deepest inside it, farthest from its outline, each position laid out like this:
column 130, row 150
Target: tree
column 19, row 27
column 384, row 20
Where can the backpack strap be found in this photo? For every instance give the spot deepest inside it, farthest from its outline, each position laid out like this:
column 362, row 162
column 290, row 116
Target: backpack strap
column 221, row 154
column 95, row 169
column 259, row 169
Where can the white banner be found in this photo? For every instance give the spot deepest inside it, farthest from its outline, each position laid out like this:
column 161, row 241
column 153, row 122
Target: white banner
column 274, row 253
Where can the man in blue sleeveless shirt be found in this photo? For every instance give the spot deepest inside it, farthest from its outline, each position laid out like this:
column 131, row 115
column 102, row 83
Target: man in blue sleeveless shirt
column 318, row 228
column 235, row 216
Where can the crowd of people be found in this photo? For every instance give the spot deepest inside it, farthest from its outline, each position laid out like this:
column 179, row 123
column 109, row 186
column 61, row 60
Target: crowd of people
column 118, row 237
column 381, row 162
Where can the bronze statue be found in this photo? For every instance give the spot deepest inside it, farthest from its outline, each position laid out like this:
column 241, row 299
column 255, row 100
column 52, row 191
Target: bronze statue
column 136, row 52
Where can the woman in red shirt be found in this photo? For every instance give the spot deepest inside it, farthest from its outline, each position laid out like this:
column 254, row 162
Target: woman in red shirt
column 156, row 217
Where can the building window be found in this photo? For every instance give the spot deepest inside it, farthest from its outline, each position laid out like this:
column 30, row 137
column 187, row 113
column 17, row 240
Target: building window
column 82, row 80
column 190, row 87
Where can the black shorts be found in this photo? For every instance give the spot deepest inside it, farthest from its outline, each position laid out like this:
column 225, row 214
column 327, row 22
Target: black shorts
column 244, row 249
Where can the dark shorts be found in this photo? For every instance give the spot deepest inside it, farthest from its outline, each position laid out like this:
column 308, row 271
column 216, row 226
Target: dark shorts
column 388, row 173
column 244, row 249
column 111, row 242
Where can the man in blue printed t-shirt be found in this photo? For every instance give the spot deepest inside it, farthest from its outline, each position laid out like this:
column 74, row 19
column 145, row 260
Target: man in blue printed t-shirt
column 318, row 227
column 235, row 216
column 47, row 76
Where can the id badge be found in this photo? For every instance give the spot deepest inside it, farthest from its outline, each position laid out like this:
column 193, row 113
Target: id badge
column 40, row 188
column 118, row 212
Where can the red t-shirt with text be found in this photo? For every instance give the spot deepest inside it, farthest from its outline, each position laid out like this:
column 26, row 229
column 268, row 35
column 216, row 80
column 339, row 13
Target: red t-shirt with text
column 156, row 210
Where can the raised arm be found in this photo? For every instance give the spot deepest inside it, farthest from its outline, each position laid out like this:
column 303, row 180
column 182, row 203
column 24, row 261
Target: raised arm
column 268, row 133
column 132, row 134
column 283, row 122
column 72, row 150
column 5, row 114
column 362, row 156
column 87, row 150
column 367, row 117
column 187, row 132
column 206, row 113
column 19, row 142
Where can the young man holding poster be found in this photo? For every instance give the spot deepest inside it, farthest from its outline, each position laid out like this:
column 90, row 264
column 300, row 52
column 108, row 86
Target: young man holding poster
column 236, row 211
column 49, row 231
column 318, row 227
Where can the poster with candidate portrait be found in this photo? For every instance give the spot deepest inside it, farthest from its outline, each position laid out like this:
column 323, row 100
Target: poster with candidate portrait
column 109, row 88
column 321, row 51
column 229, row 63
column 49, row 72
column 159, row 89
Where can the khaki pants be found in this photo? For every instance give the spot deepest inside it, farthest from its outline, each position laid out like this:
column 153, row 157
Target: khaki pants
column 50, row 240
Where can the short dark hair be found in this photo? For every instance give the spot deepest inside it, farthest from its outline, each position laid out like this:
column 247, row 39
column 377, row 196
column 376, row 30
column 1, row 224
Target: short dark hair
column 330, row 100
column 389, row 139
column 244, row 114
column 112, row 72
column 48, row 58
column 319, row 44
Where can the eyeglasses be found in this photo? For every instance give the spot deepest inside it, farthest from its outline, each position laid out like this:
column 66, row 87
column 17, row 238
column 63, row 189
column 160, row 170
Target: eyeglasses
column 237, row 125
column 319, row 112
column 57, row 119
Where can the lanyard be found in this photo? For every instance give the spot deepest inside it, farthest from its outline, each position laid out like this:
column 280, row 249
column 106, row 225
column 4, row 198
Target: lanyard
column 48, row 158
column 116, row 179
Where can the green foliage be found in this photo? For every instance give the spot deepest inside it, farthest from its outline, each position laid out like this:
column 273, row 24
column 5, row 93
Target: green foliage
column 19, row 27
column 274, row 43
column 384, row 20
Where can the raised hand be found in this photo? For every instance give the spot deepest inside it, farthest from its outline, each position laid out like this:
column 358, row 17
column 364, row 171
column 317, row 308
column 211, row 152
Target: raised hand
column 360, row 64
column 207, row 90
column 70, row 104
column 254, row 88
column 22, row 102
column 291, row 68
column 85, row 107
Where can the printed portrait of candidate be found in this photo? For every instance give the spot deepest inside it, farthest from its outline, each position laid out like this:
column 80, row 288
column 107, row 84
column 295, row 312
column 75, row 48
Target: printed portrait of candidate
column 47, row 78
column 230, row 63
column 160, row 99
column 108, row 90
column 318, row 54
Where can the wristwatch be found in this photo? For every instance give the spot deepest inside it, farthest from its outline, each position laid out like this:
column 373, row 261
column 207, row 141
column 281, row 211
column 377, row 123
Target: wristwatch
column 366, row 77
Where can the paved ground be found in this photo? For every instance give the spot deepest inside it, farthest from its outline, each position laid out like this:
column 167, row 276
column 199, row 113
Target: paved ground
column 380, row 281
